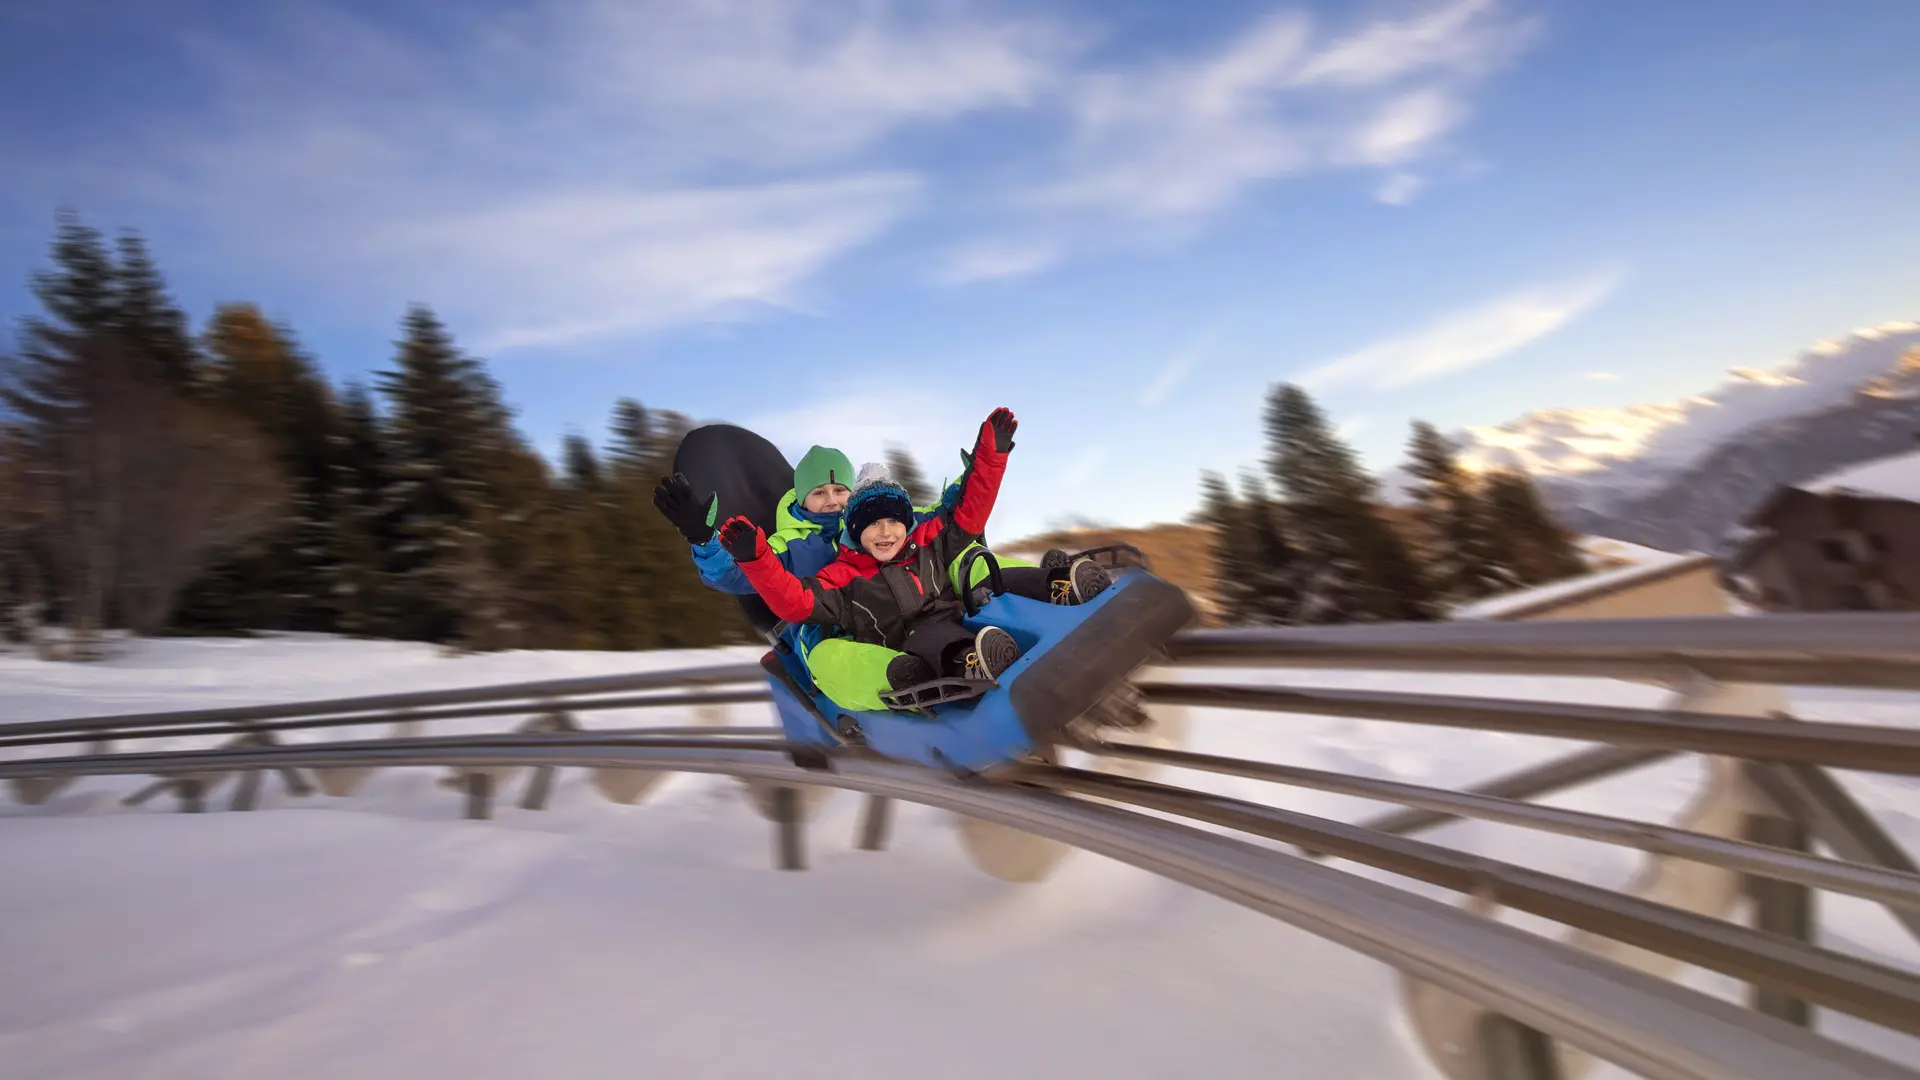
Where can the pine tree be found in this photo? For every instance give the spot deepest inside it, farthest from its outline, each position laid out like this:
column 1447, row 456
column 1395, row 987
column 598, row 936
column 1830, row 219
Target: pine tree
column 630, row 444
column 1255, row 567
column 642, row 544
column 453, row 448
column 1233, row 551
column 906, row 472
column 47, row 387
column 1277, row 565
column 1524, row 535
column 586, row 605
column 364, row 531
column 1460, row 559
column 146, row 317
column 1358, row 566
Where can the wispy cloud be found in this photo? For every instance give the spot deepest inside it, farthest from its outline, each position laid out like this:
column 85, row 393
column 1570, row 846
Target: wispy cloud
column 571, row 171
column 578, row 264
column 1175, row 372
column 1470, row 338
column 1602, row 376
column 988, row 260
column 576, row 169
column 1282, row 98
column 767, row 80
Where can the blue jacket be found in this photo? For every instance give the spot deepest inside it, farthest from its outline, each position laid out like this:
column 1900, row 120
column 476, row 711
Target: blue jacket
column 804, row 542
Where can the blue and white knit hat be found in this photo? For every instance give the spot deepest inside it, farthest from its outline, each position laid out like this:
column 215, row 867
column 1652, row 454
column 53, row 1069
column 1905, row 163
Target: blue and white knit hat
column 875, row 497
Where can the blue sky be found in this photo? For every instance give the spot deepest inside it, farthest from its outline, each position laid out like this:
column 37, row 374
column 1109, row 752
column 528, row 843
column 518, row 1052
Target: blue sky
column 856, row 223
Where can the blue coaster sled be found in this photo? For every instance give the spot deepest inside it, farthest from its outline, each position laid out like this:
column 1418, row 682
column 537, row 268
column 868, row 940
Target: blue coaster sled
column 1070, row 658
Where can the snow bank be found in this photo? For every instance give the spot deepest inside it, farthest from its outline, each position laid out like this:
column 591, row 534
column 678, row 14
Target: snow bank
column 1508, row 604
column 1604, row 553
column 383, row 937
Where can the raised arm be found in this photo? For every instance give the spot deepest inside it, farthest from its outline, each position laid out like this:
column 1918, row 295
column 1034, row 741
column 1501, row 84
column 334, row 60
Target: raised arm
column 791, row 599
column 691, row 515
column 718, row 571
column 967, row 521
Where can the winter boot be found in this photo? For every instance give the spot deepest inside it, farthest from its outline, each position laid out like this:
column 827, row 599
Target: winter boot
column 993, row 652
column 1082, row 582
column 1055, row 559
column 908, row 670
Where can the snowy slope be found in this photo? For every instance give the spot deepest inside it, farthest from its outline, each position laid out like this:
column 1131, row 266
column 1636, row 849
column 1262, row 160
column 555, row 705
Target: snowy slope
column 1521, row 600
column 382, row 937
column 1604, row 553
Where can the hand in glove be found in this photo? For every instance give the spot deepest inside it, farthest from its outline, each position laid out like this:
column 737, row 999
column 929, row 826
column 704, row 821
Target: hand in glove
column 742, row 539
column 691, row 514
column 997, row 432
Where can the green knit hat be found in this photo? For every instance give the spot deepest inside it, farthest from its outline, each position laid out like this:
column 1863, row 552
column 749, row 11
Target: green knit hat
column 821, row 465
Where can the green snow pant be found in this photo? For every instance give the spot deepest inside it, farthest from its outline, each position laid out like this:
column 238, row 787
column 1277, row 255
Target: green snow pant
column 854, row 674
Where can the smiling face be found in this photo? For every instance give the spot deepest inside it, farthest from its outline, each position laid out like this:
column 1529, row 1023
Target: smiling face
column 826, row 499
column 883, row 539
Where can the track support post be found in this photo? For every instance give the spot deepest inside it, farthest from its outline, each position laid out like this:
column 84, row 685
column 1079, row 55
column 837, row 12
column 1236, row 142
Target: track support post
column 789, row 838
column 876, row 823
column 540, row 788
column 246, row 793
column 1780, row 907
column 479, row 796
column 1514, row 1051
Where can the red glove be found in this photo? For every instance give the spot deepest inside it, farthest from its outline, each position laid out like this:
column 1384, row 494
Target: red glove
column 741, row 539
column 998, row 431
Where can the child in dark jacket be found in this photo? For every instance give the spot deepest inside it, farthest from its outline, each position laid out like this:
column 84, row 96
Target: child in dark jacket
column 893, row 584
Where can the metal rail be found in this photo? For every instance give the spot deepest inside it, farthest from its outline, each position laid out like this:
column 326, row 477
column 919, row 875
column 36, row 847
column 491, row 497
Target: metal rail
column 1849, row 746
column 539, row 696
column 588, row 704
column 1559, row 774
column 1874, row 992
column 1892, row 887
column 1635, row 1019
column 1644, row 1024
column 1879, row 650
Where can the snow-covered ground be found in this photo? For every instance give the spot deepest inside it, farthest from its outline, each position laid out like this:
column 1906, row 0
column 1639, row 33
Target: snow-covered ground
column 383, row 936
column 1522, row 600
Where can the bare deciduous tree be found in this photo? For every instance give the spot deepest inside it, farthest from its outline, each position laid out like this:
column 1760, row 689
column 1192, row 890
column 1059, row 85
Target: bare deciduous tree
column 141, row 487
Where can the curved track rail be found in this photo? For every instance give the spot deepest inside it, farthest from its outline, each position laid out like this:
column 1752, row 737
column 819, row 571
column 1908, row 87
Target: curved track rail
column 1608, row 1001
column 1650, row 1026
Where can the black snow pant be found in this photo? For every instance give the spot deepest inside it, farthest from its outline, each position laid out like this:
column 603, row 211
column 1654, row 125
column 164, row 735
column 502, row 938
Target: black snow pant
column 944, row 642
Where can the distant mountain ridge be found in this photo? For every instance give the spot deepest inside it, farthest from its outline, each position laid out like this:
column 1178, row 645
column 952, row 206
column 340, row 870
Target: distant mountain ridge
column 1678, row 475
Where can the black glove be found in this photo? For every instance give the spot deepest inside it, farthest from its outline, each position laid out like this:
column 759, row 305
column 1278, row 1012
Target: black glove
column 691, row 514
column 998, row 431
column 741, row 539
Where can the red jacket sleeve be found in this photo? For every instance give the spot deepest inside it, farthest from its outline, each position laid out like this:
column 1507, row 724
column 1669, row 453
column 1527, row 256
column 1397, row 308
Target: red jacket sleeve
column 983, row 487
column 790, row 598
